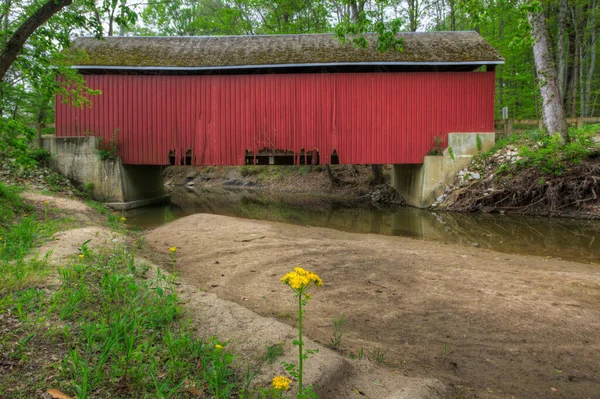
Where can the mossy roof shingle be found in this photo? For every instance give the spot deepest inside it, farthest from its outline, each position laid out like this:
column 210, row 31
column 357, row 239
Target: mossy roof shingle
column 282, row 50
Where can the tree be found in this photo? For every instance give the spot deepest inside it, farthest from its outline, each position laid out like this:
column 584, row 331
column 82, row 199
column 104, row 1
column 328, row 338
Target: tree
column 552, row 105
column 15, row 44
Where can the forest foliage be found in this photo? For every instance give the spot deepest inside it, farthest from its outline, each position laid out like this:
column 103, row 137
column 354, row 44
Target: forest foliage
column 27, row 91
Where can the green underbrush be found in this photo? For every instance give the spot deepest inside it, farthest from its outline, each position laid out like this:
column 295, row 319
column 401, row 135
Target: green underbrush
column 548, row 154
column 101, row 325
column 537, row 174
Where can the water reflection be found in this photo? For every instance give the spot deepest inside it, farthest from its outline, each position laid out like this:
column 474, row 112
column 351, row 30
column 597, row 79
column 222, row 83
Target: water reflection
column 565, row 238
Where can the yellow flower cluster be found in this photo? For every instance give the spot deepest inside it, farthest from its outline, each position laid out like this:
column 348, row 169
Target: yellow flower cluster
column 81, row 256
column 300, row 278
column 281, row 383
column 123, row 219
column 218, row 347
column 173, row 249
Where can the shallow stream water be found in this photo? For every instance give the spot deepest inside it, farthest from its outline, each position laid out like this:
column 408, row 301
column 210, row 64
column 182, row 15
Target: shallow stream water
column 570, row 239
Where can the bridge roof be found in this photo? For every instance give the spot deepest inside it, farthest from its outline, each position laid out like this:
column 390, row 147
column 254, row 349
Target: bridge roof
column 463, row 48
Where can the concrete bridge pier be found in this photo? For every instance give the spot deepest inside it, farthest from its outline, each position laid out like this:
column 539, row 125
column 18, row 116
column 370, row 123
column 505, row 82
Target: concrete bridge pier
column 421, row 184
column 119, row 186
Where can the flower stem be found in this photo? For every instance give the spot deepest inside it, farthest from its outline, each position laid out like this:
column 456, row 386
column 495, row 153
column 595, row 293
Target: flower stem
column 300, row 344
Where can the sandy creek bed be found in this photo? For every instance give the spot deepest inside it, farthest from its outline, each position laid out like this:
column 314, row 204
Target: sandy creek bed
column 488, row 325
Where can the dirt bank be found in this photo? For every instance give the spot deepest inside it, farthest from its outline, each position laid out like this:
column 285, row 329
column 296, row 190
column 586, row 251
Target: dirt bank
column 532, row 174
column 353, row 179
column 351, row 182
column 488, row 325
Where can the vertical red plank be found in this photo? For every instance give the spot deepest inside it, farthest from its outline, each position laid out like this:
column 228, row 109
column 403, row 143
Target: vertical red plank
column 366, row 118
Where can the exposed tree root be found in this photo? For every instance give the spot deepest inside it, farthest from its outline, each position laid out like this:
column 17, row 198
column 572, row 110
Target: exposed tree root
column 532, row 192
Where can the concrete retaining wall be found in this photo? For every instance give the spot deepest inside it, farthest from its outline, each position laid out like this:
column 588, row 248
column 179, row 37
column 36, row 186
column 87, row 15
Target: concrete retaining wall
column 421, row 184
column 120, row 186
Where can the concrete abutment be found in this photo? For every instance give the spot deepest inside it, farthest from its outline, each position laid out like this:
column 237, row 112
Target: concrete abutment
column 119, row 186
column 421, row 184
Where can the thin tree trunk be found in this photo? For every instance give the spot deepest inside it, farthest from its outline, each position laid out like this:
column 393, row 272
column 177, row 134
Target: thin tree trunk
column 413, row 15
column 6, row 20
column 354, row 11
column 552, row 106
column 570, row 68
column 592, row 62
column 575, row 82
column 18, row 39
column 576, row 67
column 41, row 118
column 560, row 53
column 452, row 15
column 581, row 76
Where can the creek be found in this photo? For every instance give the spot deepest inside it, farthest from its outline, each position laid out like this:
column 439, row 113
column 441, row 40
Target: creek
column 569, row 239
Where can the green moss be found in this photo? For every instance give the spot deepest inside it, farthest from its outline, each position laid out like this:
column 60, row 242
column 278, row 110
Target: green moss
column 280, row 50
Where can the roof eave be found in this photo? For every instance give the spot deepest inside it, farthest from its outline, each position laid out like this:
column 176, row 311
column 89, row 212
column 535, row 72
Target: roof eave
column 305, row 65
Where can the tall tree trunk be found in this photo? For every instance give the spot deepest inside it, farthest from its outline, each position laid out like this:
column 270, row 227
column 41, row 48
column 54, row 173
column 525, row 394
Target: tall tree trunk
column 560, row 48
column 576, row 60
column 553, row 110
column 413, row 15
column 41, row 118
column 452, row 15
column 571, row 74
column 591, row 60
column 581, row 76
column 18, row 39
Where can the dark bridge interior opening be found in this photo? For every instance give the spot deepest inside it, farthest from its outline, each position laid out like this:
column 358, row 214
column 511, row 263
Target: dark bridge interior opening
column 282, row 158
column 186, row 160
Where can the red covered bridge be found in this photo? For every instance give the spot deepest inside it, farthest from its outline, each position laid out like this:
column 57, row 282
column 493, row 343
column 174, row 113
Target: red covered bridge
column 282, row 98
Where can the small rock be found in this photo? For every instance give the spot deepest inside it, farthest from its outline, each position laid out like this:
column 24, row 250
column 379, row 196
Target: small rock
column 476, row 244
column 475, row 175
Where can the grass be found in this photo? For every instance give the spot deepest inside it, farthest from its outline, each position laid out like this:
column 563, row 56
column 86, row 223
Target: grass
column 273, row 352
column 113, row 219
column 360, row 355
column 378, row 355
column 547, row 153
column 109, row 327
column 337, row 333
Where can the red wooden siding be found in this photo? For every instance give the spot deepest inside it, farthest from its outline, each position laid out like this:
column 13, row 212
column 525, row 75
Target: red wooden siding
column 368, row 118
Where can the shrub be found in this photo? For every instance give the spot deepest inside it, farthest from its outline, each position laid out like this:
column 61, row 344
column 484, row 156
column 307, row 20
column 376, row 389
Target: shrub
column 551, row 156
column 15, row 143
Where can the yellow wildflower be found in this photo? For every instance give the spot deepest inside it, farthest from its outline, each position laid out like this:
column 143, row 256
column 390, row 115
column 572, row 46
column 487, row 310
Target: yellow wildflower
column 123, row 219
column 300, row 278
column 173, row 249
column 81, row 256
column 218, row 347
column 281, row 383
column 45, row 202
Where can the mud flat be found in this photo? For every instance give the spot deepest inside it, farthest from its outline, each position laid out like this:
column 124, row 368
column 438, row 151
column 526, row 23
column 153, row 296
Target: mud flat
column 486, row 324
